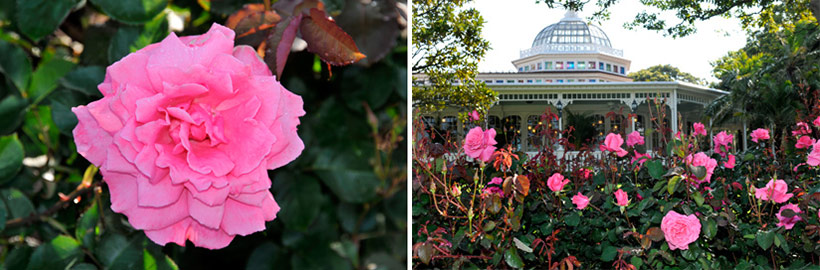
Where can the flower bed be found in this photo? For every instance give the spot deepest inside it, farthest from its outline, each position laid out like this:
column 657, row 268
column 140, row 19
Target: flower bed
column 689, row 205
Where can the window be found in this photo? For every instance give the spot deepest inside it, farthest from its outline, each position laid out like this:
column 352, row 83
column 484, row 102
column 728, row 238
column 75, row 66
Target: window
column 534, row 128
column 532, row 67
column 529, row 81
column 571, row 81
column 559, row 65
column 527, row 68
column 488, row 81
column 622, row 70
column 520, row 81
column 539, row 66
column 549, row 81
column 570, row 65
column 537, row 81
column 591, row 65
column 581, row 65
column 520, row 69
column 608, row 67
column 615, row 68
column 547, row 65
column 601, row 65
column 581, row 80
column 499, row 81
column 560, row 81
column 591, row 80
column 510, row 81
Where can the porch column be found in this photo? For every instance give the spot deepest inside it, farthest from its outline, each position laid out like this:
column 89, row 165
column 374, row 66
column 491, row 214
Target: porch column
column 522, row 129
column 674, row 107
column 745, row 144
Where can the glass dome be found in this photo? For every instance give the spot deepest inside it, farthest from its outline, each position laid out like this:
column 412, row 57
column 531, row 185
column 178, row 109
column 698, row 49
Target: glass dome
column 571, row 30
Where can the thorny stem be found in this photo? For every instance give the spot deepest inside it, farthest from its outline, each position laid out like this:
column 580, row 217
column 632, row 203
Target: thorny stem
column 35, row 217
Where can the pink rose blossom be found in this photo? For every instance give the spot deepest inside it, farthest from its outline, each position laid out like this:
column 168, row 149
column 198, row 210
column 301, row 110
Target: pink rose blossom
column 634, row 138
column 185, row 134
column 490, row 190
column 556, row 182
column 788, row 222
column 701, row 159
column 804, row 142
column 580, row 201
column 496, row 181
column 613, row 143
column 474, row 115
column 760, row 134
column 730, row 164
column 816, row 122
column 722, row 141
column 699, row 129
column 585, row 173
column 774, row 190
column 814, row 156
column 480, row 144
column 621, row 197
column 640, row 158
column 680, row 230
column 802, row 129
column 456, row 191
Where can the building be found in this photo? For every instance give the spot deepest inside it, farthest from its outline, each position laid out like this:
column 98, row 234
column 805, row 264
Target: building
column 572, row 67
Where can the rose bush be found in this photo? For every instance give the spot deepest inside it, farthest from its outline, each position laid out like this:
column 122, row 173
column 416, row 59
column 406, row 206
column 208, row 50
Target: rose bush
column 686, row 204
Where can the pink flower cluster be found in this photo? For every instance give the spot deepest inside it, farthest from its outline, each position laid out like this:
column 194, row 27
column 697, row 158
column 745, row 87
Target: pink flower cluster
column 701, row 159
column 613, row 143
column 480, row 144
column 722, row 141
column 699, row 129
column 556, row 182
column 680, row 230
column 775, row 190
column 760, row 134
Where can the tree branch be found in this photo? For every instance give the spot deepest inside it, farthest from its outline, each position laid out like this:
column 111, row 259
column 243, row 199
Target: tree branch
column 37, row 217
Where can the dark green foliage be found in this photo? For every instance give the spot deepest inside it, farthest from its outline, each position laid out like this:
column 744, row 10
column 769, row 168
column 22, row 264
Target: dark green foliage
column 343, row 201
column 663, row 73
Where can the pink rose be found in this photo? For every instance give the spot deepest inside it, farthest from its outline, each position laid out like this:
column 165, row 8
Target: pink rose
column 730, row 164
column 816, row 122
column 774, row 190
column 640, row 158
column 474, row 115
column 634, row 138
column 456, row 191
column 185, row 134
column 613, row 143
column 760, row 134
column 814, row 156
column 788, row 222
column 480, row 144
column 621, row 197
column 699, row 129
column 580, row 201
column 802, row 129
column 585, row 173
column 701, row 159
column 804, row 142
column 496, row 181
column 680, row 230
column 556, row 182
column 490, row 190
column 722, row 141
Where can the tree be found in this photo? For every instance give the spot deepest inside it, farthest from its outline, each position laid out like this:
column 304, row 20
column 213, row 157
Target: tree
column 752, row 13
column 447, row 45
column 663, row 73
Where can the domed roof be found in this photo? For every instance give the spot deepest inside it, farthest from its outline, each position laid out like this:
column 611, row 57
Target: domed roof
column 571, row 30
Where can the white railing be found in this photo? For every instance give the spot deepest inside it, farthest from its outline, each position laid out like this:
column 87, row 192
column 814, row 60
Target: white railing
column 571, row 48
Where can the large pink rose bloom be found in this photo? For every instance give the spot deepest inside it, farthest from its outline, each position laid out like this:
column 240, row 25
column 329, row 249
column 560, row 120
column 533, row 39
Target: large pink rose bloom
column 804, row 142
column 634, row 138
column 699, row 129
column 613, row 143
column 701, row 159
column 680, row 230
column 556, row 182
column 788, row 222
column 722, row 141
column 802, row 129
column 814, row 156
column 185, row 134
column 775, row 190
column 480, row 144
column 760, row 134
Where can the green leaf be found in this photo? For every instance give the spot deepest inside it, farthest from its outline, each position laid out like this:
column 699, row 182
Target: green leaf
column 12, row 112
column 698, row 198
column 608, row 253
column 39, row 18
column 87, row 224
column 44, row 80
column 117, row 252
column 764, row 239
column 129, row 39
column 672, row 184
column 709, row 227
column 636, row 261
column 512, row 258
column 133, row 11
column 655, row 169
column 61, row 252
column 302, row 195
column 350, row 177
column 64, row 119
column 17, row 258
column 85, row 80
column 11, row 157
column 17, row 202
column 154, row 259
column 522, row 246
column 572, row 219
column 359, row 84
column 84, row 266
column 15, row 64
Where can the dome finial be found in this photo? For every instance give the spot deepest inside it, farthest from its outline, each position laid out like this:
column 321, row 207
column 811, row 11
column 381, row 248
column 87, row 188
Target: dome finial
column 571, row 15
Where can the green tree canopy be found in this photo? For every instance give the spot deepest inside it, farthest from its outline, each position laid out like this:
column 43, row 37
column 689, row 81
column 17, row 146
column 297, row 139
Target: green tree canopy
column 447, row 45
column 663, row 73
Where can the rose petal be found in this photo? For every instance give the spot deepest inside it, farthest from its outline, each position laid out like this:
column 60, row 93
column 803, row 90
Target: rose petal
column 210, row 216
column 158, row 194
column 242, row 219
column 91, row 140
column 204, row 160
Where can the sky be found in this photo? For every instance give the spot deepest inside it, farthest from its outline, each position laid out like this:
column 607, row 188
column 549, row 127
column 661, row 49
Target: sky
column 511, row 26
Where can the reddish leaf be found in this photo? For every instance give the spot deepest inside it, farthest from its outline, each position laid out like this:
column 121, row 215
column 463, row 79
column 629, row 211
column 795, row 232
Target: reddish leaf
column 293, row 7
column 328, row 40
column 374, row 28
column 251, row 23
column 522, row 185
column 279, row 43
column 507, row 186
column 655, row 234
